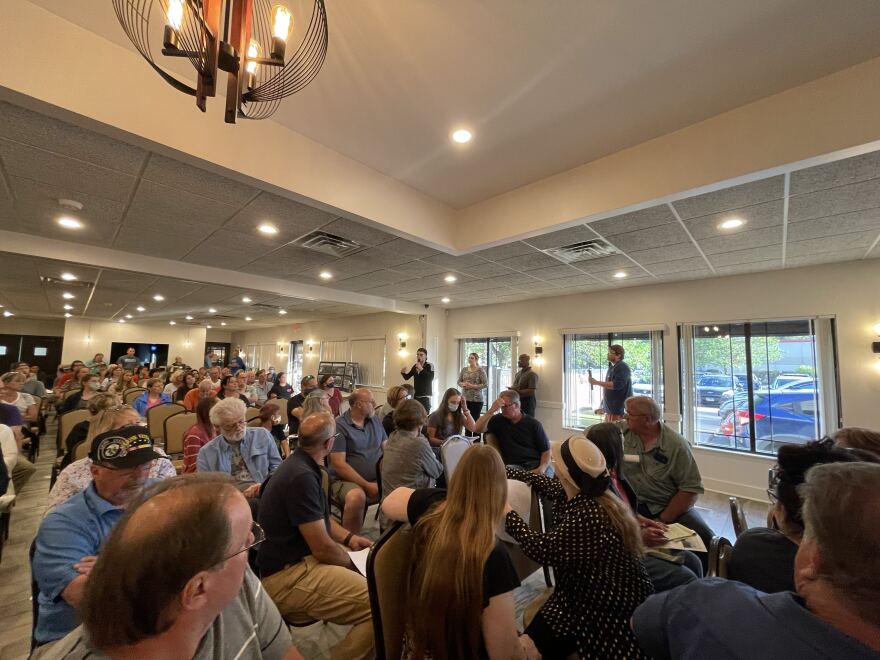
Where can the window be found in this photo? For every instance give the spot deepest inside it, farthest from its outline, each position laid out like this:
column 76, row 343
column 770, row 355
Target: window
column 643, row 352
column 496, row 358
column 369, row 354
column 295, row 362
column 334, row 350
column 752, row 386
column 40, row 351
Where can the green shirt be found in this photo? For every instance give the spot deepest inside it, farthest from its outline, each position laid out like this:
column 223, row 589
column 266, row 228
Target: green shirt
column 657, row 475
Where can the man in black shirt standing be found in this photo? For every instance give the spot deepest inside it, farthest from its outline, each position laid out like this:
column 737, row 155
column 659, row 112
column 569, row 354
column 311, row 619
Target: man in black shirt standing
column 303, row 562
column 617, row 385
column 422, row 374
column 525, row 383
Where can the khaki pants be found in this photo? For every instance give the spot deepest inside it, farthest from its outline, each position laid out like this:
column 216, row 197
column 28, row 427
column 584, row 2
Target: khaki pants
column 22, row 471
column 311, row 590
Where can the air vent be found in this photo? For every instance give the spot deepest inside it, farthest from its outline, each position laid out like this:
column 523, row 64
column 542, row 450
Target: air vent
column 266, row 308
column 72, row 284
column 335, row 246
column 583, row 251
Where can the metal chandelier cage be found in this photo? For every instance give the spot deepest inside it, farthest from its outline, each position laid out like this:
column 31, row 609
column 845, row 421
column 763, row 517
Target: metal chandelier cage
column 245, row 38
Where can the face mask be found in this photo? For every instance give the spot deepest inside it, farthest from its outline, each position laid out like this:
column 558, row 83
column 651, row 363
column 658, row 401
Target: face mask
column 309, row 390
column 94, row 386
column 453, row 407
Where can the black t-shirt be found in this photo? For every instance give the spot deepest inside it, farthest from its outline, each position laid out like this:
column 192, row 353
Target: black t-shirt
column 764, row 559
column 294, row 402
column 422, row 380
column 282, row 391
column 293, row 496
column 522, row 443
column 499, row 575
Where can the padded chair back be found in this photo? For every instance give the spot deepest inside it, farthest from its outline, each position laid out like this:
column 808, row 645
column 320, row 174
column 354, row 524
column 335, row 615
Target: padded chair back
column 81, row 450
column 740, row 524
column 720, row 550
column 388, row 567
column 70, row 391
column 492, row 441
column 67, row 421
column 156, row 417
column 451, row 452
column 173, row 429
column 132, row 393
column 254, row 422
column 251, row 414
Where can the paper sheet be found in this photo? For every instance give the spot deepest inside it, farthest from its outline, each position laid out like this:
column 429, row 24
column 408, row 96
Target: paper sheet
column 359, row 559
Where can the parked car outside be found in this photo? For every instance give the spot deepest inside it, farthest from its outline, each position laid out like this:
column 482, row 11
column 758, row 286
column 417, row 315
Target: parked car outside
column 784, row 380
column 739, row 398
column 782, row 417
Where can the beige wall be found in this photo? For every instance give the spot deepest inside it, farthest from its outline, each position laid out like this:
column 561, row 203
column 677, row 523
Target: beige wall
column 38, row 327
column 185, row 341
column 846, row 291
column 386, row 325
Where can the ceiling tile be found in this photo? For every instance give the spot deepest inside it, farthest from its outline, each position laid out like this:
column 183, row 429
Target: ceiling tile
column 680, row 275
column 226, row 249
column 603, row 263
column 635, row 221
column 741, row 241
column 63, row 172
column 290, row 259
column 868, row 220
column 449, row 262
column 751, row 267
column 582, row 281
column 838, row 173
column 59, row 137
column 752, row 255
column 633, row 274
column 144, row 241
column 835, row 201
column 384, row 257
column 758, row 216
column 506, row 251
column 576, row 234
column 526, row 262
column 418, row 269
column 176, row 174
column 838, row 243
column 157, row 207
column 825, row 257
column 291, row 218
column 356, row 231
column 666, row 253
column 409, row 248
column 693, row 264
column 486, row 269
column 555, row 272
column 747, row 194
column 650, row 238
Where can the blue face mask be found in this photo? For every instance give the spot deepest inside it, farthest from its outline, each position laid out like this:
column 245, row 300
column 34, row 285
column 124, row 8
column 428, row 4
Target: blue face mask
column 453, row 407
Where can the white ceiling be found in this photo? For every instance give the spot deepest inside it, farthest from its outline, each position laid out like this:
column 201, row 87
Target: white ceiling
column 136, row 201
column 544, row 86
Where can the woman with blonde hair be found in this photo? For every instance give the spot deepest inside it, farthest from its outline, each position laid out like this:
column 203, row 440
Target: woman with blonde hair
column 394, row 397
column 317, row 401
column 461, row 578
column 124, row 382
column 595, row 549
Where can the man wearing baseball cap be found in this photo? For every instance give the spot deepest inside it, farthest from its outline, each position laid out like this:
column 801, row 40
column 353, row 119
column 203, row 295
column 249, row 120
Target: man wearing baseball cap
column 70, row 537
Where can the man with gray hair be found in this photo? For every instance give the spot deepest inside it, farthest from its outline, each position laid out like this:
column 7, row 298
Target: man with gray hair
column 521, row 438
column 837, row 576
column 661, row 469
column 248, row 454
column 304, row 564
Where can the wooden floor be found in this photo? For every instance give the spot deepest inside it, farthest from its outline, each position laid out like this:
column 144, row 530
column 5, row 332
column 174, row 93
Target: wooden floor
column 314, row 642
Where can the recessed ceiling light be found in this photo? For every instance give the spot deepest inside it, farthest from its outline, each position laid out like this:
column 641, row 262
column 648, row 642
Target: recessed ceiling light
column 450, row 278
column 68, row 296
column 732, row 223
column 245, row 299
column 326, row 275
column 158, row 297
column 68, row 277
column 68, row 222
column 128, row 316
column 141, row 309
column 282, row 311
column 222, row 322
column 266, row 228
column 248, row 318
column 619, row 275
column 211, row 310
column 462, row 136
column 67, row 315
column 7, row 313
column 444, row 300
column 68, row 307
column 209, row 327
column 172, row 322
column 122, row 320
column 189, row 318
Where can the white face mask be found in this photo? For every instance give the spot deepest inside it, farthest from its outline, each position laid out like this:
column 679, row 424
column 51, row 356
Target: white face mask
column 453, row 407
column 94, row 385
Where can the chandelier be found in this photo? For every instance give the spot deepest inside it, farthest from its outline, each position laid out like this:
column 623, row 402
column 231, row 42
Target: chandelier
column 250, row 45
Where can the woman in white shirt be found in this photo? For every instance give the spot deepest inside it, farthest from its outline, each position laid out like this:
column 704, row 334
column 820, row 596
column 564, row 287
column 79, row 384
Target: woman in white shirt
column 13, row 381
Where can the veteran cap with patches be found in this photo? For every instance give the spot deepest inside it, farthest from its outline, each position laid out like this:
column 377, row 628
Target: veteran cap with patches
column 127, row 447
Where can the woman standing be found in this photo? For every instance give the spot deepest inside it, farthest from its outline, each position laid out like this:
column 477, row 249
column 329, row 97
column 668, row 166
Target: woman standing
column 449, row 418
column 154, row 396
column 595, row 549
column 473, row 381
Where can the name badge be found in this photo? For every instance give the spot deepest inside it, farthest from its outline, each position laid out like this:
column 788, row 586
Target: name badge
column 631, row 458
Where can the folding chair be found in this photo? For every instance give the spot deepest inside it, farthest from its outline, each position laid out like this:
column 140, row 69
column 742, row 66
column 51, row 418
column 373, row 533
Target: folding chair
column 173, row 429
column 720, row 550
column 738, row 514
column 451, row 451
column 131, row 394
column 387, row 581
column 156, row 417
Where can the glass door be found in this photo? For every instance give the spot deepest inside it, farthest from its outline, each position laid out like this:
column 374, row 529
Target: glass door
column 496, row 358
column 295, row 364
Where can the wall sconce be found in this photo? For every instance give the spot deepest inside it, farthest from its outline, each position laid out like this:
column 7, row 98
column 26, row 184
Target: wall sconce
column 539, row 350
column 280, row 348
column 310, row 348
column 401, row 344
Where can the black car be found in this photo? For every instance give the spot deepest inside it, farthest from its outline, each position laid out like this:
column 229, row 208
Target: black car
column 710, row 387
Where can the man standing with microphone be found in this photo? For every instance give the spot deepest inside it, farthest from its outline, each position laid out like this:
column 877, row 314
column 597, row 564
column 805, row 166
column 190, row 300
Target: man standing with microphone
column 422, row 374
column 617, row 384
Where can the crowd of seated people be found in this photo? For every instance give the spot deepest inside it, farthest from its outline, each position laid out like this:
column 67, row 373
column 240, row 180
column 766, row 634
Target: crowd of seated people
column 809, row 577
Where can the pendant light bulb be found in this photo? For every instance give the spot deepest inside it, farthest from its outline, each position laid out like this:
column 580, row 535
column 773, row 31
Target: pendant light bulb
column 282, row 22
column 253, row 52
column 175, row 13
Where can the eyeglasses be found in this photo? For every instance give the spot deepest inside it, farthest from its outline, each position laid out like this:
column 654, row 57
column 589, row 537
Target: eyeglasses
column 627, row 415
column 235, row 425
column 259, row 536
